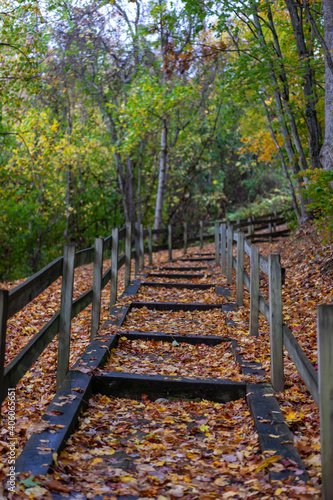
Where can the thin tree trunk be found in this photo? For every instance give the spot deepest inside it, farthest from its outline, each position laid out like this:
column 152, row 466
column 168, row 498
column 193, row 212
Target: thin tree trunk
column 162, row 176
column 326, row 153
column 308, row 83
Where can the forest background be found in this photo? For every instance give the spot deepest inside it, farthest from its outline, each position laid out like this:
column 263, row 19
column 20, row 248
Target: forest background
column 159, row 112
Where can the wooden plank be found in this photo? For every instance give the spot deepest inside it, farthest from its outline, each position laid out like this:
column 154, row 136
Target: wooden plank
column 155, row 386
column 97, row 287
column 185, row 231
column 84, row 257
column 240, row 270
column 201, row 233
column 170, row 241
column 189, row 286
column 263, row 263
column 325, row 385
column 24, row 293
column 137, row 249
column 128, row 253
column 273, row 432
column 150, row 246
column 276, row 322
column 254, row 291
column 168, row 337
column 175, row 306
column 302, row 363
column 195, row 259
column 217, row 243
column 230, row 238
column 96, row 354
column 176, row 275
column 223, row 230
column 142, row 248
column 65, row 313
column 4, row 296
column 106, row 277
column 264, row 307
column 61, row 419
column 193, row 268
column 247, row 247
column 114, row 267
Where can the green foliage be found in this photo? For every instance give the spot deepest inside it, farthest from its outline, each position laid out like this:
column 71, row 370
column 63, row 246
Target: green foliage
column 319, row 191
column 277, row 200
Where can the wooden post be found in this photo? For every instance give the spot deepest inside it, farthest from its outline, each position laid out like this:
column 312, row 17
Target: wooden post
column 185, row 238
column 275, row 217
column 65, row 319
column 97, row 287
column 230, row 238
column 223, row 230
column 254, row 291
column 270, row 229
column 201, row 234
column 142, row 249
column 249, row 227
column 4, row 300
column 170, row 241
column 114, row 267
column 240, row 269
column 217, row 243
column 128, row 253
column 325, row 386
column 150, row 246
column 275, row 321
column 252, row 224
column 137, row 248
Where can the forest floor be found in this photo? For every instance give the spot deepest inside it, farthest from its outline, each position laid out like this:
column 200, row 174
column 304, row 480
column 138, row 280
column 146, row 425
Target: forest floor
column 171, row 461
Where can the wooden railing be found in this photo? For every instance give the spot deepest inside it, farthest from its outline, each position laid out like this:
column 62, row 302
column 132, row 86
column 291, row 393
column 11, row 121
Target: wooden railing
column 319, row 384
column 136, row 242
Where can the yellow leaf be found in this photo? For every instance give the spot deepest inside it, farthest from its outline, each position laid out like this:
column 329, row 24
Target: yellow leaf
column 96, row 461
column 267, row 462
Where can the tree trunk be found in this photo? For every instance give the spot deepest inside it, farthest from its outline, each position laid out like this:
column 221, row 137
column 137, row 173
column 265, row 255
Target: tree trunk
column 308, row 83
column 161, row 177
column 326, row 153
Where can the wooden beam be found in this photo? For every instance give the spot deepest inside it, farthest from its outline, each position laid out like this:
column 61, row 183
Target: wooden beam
column 276, row 322
column 65, row 313
column 254, row 291
column 114, row 267
column 128, row 253
column 240, row 270
column 325, row 372
column 97, row 287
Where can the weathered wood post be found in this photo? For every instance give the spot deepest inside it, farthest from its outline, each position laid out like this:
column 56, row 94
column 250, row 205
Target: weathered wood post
column 230, row 238
column 150, row 246
column 217, row 243
column 252, row 225
column 142, row 249
column 97, row 287
column 223, row 230
column 4, row 302
column 325, row 387
column 137, row 249
column 240, row 269
column 254, row 291
column 275, row 321
column 270, row 229
column 249, row 227
column 65, row 319
column 201, row 234
column 128, row 252
column 114, row 267
column 275, row 217
column 170, row 241
column 185, row 237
